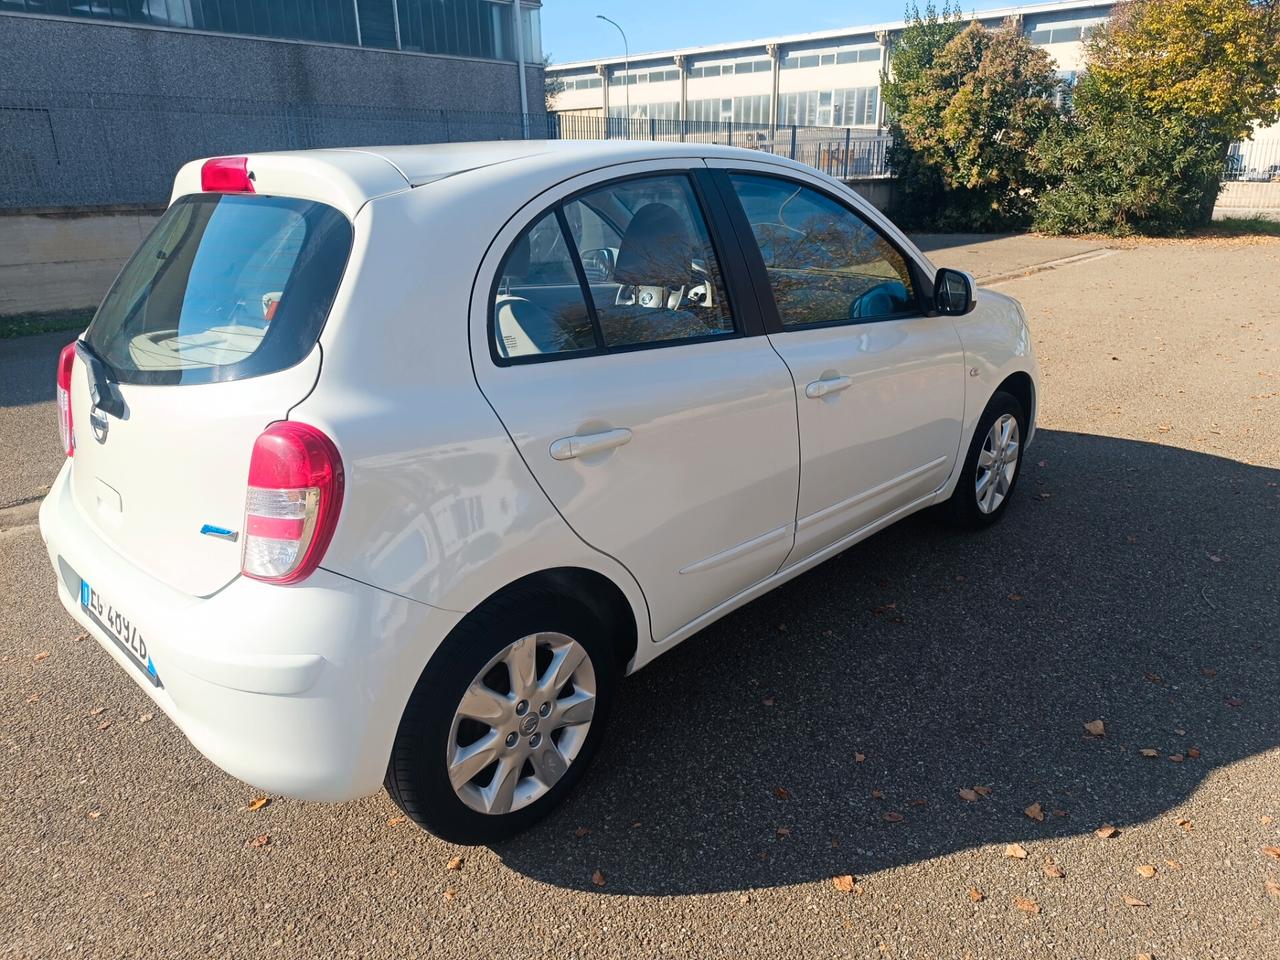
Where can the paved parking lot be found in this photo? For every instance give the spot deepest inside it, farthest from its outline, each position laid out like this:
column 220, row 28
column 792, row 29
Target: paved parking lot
column 822, row 731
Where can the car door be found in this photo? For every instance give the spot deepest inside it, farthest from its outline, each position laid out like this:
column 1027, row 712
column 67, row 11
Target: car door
column 643, row 397
column 879, row 383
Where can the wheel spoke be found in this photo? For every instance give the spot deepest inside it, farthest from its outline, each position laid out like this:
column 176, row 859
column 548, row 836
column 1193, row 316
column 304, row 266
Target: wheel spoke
column 502, row 790
column 578, row 707
column 566, row 660
column 985, row 459
column 521, row 660
column 984, row 482
column 548, row 763
column 471, row 759
column 1011, row 451
column 487, row 706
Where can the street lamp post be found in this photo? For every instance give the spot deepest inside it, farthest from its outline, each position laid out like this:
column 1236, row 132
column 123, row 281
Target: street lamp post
column 626, row 69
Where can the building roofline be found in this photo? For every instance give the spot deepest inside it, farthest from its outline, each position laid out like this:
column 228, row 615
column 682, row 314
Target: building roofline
column 851, row 31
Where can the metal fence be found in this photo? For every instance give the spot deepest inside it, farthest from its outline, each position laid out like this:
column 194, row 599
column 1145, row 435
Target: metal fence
column 68, row 150
column 1252, row 161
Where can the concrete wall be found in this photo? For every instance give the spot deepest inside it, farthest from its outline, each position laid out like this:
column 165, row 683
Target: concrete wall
column 94, row 113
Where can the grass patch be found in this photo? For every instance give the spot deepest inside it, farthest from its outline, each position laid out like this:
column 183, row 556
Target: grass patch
column 1245, row 226
column 26, row 324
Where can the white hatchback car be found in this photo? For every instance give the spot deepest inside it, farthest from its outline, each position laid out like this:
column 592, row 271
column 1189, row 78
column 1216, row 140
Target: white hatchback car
column 385, row 465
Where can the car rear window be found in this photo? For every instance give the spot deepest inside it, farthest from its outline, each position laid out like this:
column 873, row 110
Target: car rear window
column 225, row 287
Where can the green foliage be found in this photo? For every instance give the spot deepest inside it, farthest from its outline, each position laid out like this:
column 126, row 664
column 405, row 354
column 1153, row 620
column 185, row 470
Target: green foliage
column 969, row 105
column 1170, row 84
column 26, row 324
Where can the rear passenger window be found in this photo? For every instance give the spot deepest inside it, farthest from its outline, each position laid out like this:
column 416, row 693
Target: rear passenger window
column 636, row 268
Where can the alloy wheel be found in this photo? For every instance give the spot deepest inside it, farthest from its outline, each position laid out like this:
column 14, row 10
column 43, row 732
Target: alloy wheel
column 997, row 463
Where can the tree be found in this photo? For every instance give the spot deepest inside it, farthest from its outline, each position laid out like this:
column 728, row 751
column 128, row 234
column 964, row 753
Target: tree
column 968, row 121
column 552, row 86
column 1169, row 85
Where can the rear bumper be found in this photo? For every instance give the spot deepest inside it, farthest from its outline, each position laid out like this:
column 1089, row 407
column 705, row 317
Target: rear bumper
column 297, row 690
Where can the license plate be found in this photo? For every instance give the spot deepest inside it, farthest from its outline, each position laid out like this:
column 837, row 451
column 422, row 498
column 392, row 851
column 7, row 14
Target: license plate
column 122, row 631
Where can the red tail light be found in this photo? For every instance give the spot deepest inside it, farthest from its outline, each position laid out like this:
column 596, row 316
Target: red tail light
column 291, row 509
column 66, row 359
column 226, row 175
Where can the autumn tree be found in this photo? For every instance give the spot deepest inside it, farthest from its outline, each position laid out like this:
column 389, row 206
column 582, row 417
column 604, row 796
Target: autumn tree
column 1169, row 85
column 968, row 121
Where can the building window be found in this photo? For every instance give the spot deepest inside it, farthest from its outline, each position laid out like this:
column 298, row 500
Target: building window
column 865, row 55
column 853, row 106
column 1055, row 35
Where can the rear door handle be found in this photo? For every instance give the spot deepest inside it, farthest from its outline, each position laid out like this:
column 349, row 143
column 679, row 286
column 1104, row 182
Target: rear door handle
column 567, row 448
column 821, row 388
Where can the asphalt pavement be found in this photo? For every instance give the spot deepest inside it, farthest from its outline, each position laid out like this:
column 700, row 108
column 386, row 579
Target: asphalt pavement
column 824, row 731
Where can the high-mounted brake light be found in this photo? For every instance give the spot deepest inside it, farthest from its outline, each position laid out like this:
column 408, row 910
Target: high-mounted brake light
column 226, row 175
column 291, row 508
column 66, row 359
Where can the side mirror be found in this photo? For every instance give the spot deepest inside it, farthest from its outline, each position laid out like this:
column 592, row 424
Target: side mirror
column 598, row 264
column 953, row 292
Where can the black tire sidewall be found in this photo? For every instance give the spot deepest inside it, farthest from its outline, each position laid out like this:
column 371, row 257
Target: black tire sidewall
column 418, row 775
column 964, row 501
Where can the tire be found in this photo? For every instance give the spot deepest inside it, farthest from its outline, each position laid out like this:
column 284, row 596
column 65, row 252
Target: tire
column 432, row 735
column 968, row 507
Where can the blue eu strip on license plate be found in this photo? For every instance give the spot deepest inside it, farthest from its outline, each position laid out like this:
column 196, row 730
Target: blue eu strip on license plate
column 123, row 633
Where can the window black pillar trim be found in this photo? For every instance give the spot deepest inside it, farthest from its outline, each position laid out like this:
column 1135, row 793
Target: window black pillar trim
column 735, row 268
column 738, row 226
column 588, row 298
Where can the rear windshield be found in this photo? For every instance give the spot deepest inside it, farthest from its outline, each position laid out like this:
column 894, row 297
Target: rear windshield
column 225, row 287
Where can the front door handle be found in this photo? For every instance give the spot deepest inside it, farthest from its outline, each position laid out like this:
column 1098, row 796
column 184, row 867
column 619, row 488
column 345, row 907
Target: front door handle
column 567, row 448
column 821, row 388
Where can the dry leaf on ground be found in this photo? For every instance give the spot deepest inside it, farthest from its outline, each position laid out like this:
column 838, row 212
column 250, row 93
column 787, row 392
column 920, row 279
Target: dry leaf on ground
column 261, row 840
column 42, row 655
column 455, row 863
column 1095, row 728
column 1272, row 887
column 967, row 794
column 1026, row 904
column 146, row 717
column 1186, row 824
column 581, row 832
column 257, row 803
column 96, row 711
column 1106, row 831
column 396, row 821
column 94, row 814
column 783, row 831
column 1193, row 753
column 1272, row 852
column 597, row 878
column 976, row 895
column 1173, row 864
column 893, row 817
column 1015, row 851
column 859, row 757
column 843, row 883
column 982, row 791
column 1134, row 902
column 782, row 793
column 450, row 893
column 1053, row 871
column 1149, row 752
column 1145, row 870
column 1176, row 757
column 1035, row 813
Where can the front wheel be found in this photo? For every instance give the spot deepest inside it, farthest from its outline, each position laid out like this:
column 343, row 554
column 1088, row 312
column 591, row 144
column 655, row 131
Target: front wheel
column 505, row 717
column 992, row 465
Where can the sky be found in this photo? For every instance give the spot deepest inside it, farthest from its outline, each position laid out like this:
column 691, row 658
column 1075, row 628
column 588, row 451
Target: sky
column 570, row 30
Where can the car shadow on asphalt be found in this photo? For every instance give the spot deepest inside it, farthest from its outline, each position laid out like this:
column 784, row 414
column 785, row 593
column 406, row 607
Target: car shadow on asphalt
column 1129, row 582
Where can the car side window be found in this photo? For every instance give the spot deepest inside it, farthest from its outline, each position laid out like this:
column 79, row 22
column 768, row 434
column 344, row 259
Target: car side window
column 825, row 263
column 662, row 281
column 538, row 307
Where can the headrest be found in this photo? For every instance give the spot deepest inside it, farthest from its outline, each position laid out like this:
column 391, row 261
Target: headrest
column 516, row 265
column 656, row 250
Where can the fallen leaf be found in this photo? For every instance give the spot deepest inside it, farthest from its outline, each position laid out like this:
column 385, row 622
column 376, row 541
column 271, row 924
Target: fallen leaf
column 783, row 832
column 597, row 878
column 859, row 757
column 257, row 803
column 782, row 793
column 982, row 791
column 843, row 883
column 450, row 893
column 80, row 636
column 1273, row 852
column 1095, row 728
column 94, row 814
column 455, row 863
column 396, row 821
column 1234, row 701
column 1186, row 824
column 1175, row 757
column 1026, row 904
column 976, row 895
column 1106, row 831
column 1173, row 864
column 1272, row 887
column 1145, row 870
column 1193, row 753
column 581, row 832
column 877, row 794
column 1053, row 871
column 1015, row 851
column 96, row 711
column 1035, row 813
column 1149, row 752
column 1144, row 956
column 104, row 724
column 42, row 655
column 1154, row 677
column 1267, row 819
column 261, row 840
column 1209, row 671
column 967, row 794
column 146, row 717
column 1134, row 902
column 919, row 802
column 768, row 701
column 1015, row 597
column 744, row 898
column 1059, row 813
column 893, row 817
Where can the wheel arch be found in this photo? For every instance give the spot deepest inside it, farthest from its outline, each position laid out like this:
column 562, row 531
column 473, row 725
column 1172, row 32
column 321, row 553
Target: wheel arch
column 1023, row 389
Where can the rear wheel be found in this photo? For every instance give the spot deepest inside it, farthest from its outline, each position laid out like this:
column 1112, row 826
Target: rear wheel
column 505, row 717
column 992, row 465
